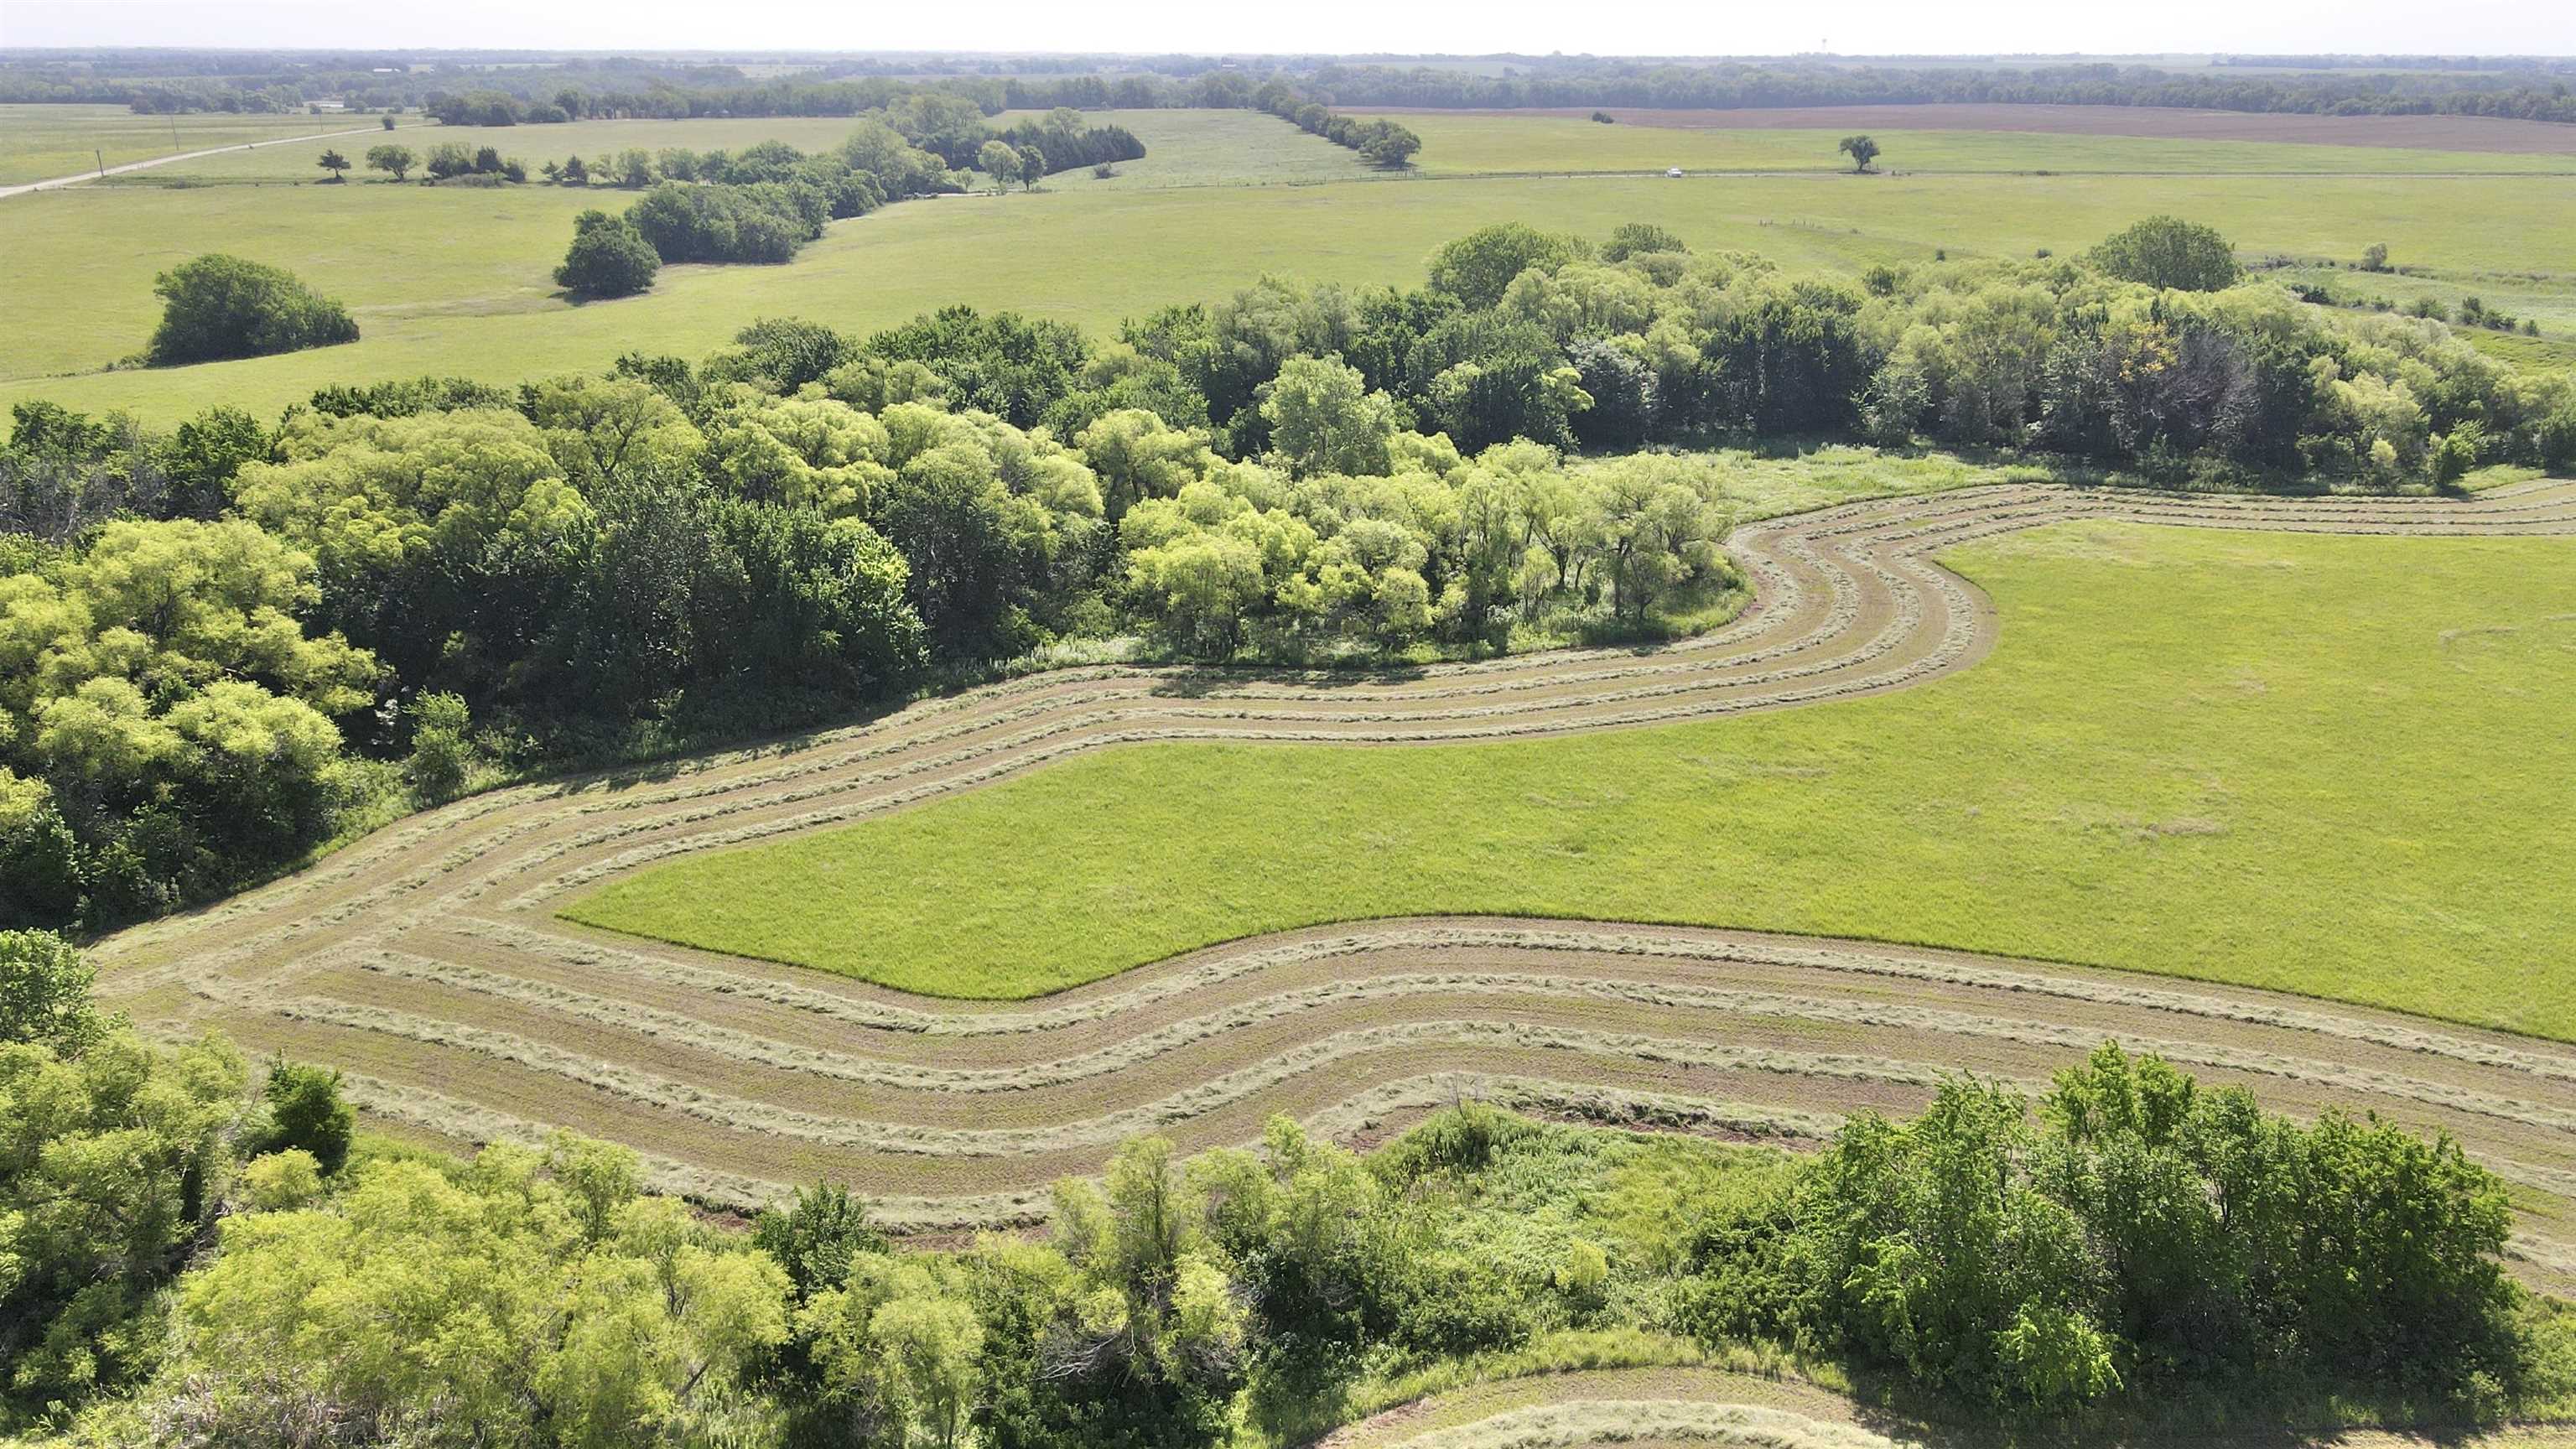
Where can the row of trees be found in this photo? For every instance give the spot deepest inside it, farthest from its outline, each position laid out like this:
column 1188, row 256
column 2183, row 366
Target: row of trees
column 2531, row 91
column 1382, row 142
column 763, row 203
column 196, row 1263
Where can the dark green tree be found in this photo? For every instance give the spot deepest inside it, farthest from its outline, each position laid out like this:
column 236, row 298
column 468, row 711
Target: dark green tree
column 217, row 307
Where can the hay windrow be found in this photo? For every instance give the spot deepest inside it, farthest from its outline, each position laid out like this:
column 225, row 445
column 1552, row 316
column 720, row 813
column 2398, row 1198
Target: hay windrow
column 1845, row 601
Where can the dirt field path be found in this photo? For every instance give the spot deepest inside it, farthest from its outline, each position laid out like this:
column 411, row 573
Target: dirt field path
column 427, row 959
column 1647, row 1408
column 94, row 174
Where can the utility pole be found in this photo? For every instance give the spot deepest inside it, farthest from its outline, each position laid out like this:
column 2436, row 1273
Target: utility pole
column 102, row 161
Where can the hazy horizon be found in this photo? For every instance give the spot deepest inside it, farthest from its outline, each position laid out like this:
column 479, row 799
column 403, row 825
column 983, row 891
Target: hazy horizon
column 1872, row 27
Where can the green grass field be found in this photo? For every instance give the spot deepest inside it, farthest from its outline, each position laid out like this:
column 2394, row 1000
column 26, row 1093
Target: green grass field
column 535, row 145
column 2324, row 764
column 458, row 281
column 41, row 142
column 1469, row 145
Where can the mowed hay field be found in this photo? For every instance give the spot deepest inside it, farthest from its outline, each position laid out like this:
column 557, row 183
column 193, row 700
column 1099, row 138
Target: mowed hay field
column 430, row 960
column 455, row 280
column 2325, row 765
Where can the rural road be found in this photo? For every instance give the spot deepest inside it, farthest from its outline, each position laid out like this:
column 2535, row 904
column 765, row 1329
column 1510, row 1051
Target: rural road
column 429, row 962
column 93, row 175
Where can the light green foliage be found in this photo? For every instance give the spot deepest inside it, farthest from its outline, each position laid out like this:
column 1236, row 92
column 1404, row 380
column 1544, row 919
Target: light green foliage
column 2132, row 685
column 281, row 1181
column 806, row 453
column 44, row 993
column 369, row 495
column 161, row 675
column 114, row 1156
column 523, row 1301
column 1323, row 419
column 999, row 161
column 603, row 429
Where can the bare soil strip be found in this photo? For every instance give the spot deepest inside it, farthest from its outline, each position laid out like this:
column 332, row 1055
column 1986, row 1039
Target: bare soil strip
column 429, row 961
column 2421, row 133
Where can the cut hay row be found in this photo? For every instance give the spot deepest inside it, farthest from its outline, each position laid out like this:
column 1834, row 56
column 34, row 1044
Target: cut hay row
column 1027, row 1076
column 1775, row 551
column 1646, row 1422
column 435, row 939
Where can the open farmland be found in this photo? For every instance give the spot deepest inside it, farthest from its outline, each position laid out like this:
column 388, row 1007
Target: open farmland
column 442, row 282
column 1481, row 143
column 429, row 960
column 39, row 143
column 2413, row 133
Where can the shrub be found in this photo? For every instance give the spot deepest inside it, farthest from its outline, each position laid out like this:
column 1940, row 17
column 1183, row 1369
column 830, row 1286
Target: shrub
column 306, row 1114
column 441, row 754
column 221, row 307
column 609, row 258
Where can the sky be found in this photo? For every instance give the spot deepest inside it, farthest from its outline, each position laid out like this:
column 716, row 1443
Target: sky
column 1880, row 27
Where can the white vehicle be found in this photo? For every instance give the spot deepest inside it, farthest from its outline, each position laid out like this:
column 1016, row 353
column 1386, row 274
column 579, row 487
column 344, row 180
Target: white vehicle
column 1674, row 172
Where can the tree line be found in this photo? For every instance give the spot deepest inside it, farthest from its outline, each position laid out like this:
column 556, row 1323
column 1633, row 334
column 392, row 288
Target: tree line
column 763, row 203
column 2532, row 92
column 225, row 644
column 204, row 1252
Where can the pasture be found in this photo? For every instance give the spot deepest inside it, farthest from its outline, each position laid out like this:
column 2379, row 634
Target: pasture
column 2180, row 759
column 1455, row 144
column 455, row 280
column 41, row 142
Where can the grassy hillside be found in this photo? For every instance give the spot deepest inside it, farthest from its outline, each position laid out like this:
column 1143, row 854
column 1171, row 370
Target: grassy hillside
column 2329, row 765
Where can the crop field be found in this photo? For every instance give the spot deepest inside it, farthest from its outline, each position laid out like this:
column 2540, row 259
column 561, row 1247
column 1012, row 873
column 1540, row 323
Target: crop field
column 1456, row 144
column 431, row 959
column 459, row 281
column 2411, row 133
column 41, row 142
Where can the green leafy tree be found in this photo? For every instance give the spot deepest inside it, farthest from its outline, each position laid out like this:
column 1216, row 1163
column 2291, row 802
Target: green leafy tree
column 1861, row 149
column 114, row 1159
column 334, row 163
column 2165, row 251
column 1477, row 267
column 525, row 1300
column 394, row 160
column 44, row 992
column 1323, row 419
column 1000, row 161
column 217, row 307
column 608, row 258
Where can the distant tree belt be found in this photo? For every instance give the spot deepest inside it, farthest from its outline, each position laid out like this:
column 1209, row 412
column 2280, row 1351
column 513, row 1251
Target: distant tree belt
column 2532, row 95
column 624, row 87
